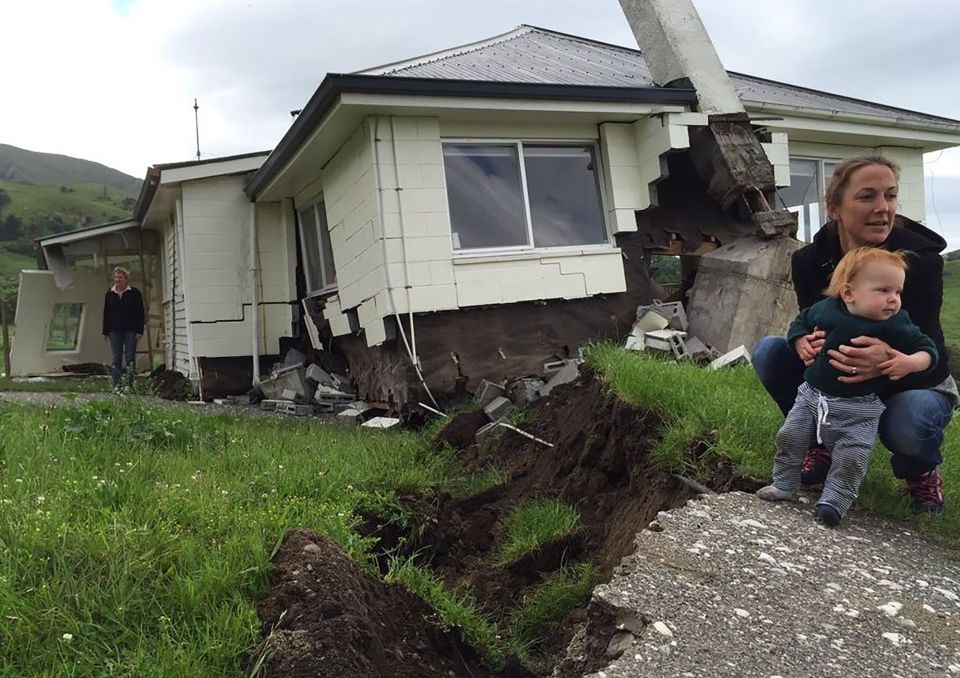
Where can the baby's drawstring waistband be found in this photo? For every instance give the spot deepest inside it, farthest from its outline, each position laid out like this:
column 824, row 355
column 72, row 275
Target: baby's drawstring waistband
column 823, row 409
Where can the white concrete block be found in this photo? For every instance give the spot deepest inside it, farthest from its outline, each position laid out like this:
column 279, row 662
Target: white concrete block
column 529, row 289
column 433, row 248
column 375, row 333
column 340, row 325
column 471, row 293
column 419, row 200
column 419, row 152
column 441, row 272
column 401, row 128
column 624, row 220
column 433, row 298
column 431, row 176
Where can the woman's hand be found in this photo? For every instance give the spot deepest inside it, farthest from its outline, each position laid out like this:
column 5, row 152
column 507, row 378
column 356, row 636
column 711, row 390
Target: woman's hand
column 808, row 346
column 862, row 360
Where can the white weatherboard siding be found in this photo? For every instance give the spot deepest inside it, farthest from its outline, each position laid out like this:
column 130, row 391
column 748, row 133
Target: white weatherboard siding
column 216, row 217
column 423, row 272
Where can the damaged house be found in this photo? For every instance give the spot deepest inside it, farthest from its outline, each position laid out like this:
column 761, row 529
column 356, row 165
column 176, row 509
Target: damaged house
column 471, row 214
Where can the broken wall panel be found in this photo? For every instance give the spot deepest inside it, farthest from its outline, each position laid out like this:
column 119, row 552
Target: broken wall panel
column 685, row 214
column 496, row 342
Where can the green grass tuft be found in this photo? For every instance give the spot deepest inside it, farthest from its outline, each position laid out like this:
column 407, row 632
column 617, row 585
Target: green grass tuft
column 544, row 610
column 454, row 609
column 534, row 523
column 480, row 481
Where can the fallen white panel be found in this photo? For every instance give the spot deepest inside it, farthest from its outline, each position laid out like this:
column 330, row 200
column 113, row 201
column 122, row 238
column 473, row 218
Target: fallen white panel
column 739, row 355
column 381, row 422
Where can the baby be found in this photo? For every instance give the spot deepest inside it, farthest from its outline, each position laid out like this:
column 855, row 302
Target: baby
column 863, row 299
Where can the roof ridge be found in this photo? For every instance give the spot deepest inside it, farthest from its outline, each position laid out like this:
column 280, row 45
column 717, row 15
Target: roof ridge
column 579, row 38
column 432, row 57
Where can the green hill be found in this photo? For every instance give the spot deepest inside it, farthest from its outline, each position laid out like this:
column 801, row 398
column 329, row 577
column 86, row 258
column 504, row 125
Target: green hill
column 20, row 165
column 59, row 208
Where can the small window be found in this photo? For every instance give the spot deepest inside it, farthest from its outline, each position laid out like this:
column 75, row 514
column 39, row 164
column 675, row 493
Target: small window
column 64, row 327
column 550, row 199
column 317, row 251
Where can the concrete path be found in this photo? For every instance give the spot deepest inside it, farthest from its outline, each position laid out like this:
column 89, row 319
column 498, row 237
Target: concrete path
column 733, row 586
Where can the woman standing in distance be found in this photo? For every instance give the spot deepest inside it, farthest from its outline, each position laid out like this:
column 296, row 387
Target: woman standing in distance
column 123, row 320
column 862, row 205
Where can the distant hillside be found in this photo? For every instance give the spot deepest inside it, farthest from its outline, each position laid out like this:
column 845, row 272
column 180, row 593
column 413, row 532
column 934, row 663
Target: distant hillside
column 20, row 165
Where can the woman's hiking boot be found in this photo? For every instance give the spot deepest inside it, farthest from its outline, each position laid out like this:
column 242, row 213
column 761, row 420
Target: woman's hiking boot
column 927, row 493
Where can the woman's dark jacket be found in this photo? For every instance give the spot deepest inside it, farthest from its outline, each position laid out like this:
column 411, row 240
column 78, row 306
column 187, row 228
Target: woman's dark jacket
column 922, row 292
column 123, row 313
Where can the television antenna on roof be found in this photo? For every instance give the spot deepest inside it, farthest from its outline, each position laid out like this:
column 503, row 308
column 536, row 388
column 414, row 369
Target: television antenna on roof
column 196, row 124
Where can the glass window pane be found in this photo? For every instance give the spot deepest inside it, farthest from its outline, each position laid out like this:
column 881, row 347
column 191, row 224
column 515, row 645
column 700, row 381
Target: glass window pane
column 64, row 327
column 564, row 196
column 311, row 249
column 326, row 250
column 485, row 196
column 803, row 195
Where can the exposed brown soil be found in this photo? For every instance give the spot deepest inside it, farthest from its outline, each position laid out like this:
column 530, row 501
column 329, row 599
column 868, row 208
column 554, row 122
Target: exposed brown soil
column 325, row 616
column 599, row 463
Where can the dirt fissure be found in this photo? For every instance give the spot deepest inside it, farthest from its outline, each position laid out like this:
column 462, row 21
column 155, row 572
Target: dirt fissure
column 599, row 464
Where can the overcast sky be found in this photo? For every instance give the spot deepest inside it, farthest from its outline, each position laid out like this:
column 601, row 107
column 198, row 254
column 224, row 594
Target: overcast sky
column 114, row 80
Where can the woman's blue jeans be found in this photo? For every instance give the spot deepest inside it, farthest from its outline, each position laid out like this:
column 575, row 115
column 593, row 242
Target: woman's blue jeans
column 123, row 345
column 911, row 427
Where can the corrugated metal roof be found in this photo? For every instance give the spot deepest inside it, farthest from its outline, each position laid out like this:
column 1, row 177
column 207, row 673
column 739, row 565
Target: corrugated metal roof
column 535, row 55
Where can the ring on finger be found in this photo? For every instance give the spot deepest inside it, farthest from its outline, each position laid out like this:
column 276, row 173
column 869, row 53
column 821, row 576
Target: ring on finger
column 853, row 371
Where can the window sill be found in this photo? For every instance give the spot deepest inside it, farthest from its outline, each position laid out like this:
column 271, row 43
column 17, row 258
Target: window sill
column 489, row 257
column 323, row 292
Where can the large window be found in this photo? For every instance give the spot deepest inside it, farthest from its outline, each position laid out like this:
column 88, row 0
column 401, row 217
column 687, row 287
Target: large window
column 523, row 195
column 804, row 196
column 317, row 252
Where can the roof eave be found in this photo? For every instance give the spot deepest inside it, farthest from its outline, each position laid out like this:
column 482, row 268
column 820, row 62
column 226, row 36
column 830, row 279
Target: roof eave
column 334, row 85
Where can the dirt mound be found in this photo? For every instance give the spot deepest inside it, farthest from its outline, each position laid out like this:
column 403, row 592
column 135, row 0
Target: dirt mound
column 325, row 616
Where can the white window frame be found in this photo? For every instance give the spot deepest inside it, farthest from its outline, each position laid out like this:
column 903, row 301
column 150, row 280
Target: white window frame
column 314, row 203
column 822, row 180
column 76, row 346
column 531, row 248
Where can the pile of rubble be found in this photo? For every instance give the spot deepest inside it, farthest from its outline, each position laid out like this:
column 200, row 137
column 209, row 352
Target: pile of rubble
column 300, row 389
column 663, row 327
column 499, row 401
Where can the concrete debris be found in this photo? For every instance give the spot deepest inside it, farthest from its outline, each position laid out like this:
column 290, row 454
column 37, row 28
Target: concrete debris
column 667, row 341
column 317, row 375
column 294, row 358
column 349, row 416
column 650, row 322
column 634, row 343
column 297, row 410
column 743, row 292
column 487, row 392
column 525, row 389
column 738, row 356
column 329, row 399
column 293, row 379
column 567, row 373
column 498, row 408
column 552, row 367
column 381, row 422
column 673, row 312
column 342, row 383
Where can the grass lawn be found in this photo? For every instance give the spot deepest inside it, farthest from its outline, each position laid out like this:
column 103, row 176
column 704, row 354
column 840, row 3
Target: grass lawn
column 950, row 311
column 135, row 540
